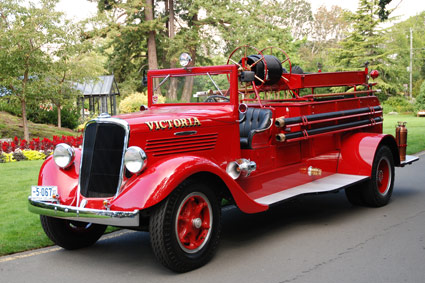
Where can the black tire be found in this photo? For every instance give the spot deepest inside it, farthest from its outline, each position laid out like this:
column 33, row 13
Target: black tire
column 71, row 235
column 187, row 242
column 297, row 70
column 378, row 190
column 354, row 194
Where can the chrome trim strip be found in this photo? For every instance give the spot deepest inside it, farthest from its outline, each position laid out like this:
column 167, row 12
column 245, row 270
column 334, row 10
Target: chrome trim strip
column 105, row 217
column 106, row 120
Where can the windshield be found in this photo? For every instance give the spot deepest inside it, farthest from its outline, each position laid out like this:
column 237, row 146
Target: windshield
column 191, row 88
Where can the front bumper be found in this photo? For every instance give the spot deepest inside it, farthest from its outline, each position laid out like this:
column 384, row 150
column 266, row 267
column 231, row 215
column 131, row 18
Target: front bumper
column 105, row 217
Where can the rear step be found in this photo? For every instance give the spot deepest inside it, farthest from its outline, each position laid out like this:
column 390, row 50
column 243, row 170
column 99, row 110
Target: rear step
column 326, row 184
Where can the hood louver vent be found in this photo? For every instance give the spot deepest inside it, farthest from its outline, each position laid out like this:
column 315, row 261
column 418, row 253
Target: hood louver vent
column 160, row 147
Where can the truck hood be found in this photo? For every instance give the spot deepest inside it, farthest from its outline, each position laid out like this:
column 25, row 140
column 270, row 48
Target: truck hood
column 178, row 117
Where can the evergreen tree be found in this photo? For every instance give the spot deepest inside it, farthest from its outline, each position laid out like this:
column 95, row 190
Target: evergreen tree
column 366, row 43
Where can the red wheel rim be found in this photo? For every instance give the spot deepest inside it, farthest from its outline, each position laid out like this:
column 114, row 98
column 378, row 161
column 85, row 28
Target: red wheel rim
column 194, row 222
column 383, row 176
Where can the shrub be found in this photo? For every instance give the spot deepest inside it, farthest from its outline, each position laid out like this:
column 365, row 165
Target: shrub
column 133, row 102
column 420, row 99
column 34, row 155
column 397, row 104
column 69, row 116
column 41, row 115
column 18, row 155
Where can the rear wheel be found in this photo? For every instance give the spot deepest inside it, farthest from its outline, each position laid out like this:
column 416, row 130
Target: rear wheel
column 379, row 188
column 71, row 235
column 185, row 228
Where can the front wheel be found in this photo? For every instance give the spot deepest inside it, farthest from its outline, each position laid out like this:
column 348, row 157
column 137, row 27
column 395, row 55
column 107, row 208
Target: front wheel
column 71, row 235
column 185, row 228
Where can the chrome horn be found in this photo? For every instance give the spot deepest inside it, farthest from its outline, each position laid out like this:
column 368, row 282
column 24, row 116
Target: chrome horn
column 240, row 167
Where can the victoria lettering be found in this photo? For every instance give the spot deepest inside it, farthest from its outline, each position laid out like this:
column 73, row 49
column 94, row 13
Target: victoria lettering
column 176, row 123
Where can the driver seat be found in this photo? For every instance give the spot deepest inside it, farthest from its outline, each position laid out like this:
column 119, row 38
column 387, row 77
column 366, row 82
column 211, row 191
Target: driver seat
column 256, row 119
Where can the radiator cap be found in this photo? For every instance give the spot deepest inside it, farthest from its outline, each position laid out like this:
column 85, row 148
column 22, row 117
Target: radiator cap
column 104, row 115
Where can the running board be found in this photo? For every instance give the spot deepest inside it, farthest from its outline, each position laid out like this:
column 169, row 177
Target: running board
column 409, row 160
column 326, row 184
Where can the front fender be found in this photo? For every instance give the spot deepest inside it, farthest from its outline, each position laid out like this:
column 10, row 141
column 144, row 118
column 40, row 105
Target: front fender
column 358, row 152
column 159, row 180
column 65, row 179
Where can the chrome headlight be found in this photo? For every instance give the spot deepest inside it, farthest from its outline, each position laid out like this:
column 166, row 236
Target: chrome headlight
column 135, row 159
column 63, row 155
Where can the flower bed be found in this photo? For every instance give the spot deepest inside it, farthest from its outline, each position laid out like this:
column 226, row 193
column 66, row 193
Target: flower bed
column 36, row 149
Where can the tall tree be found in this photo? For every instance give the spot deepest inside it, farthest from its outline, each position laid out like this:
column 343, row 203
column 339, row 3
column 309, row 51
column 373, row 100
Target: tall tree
column 397, row 40
column 152, row 58
column 73, row 62
column 26, row 32
column 366, row 43
column 327, row 29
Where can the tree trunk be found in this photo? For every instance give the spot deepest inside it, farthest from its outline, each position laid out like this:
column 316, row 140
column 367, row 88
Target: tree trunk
column 188, row 83
column 152, row 58
column 59, row 116
column 24, row 119
column 172, row 90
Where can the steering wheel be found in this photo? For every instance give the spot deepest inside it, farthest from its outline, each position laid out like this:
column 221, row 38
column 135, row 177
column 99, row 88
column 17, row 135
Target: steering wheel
column 216, row 98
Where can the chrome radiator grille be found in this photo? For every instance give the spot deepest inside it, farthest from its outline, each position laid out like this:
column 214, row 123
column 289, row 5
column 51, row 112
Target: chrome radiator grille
column 101, row 161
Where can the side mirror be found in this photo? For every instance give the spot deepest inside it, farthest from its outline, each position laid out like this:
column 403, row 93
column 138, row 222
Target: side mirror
column 247, row 76
column 144, row 79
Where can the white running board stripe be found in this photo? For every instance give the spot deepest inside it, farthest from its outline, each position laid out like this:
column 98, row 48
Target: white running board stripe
column 326, row 184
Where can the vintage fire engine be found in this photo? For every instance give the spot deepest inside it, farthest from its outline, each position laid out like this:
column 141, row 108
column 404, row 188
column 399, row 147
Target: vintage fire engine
column 254, row 132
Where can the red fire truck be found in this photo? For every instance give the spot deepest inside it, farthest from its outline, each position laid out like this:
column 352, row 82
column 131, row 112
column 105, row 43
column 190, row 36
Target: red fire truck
column 254, row 132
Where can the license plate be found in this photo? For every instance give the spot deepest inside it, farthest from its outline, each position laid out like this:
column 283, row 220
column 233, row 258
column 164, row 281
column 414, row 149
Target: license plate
column 44, row 192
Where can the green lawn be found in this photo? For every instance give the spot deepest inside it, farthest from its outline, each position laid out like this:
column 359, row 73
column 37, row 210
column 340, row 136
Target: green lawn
column 20, row 230
column 415, row 127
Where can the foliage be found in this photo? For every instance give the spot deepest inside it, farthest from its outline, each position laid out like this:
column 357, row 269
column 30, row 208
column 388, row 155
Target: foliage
column 397, row 41
column 25, row 32
column 11, row 126
column 327, row 28
column 420, row 99
column 41, row 55
column 133, row 102
column 48, row 115
column 43, row 113
column 397, row 104
column 366, row 43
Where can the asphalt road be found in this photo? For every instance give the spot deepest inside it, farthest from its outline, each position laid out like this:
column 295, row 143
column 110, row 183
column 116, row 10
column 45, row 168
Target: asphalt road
column 311, row 239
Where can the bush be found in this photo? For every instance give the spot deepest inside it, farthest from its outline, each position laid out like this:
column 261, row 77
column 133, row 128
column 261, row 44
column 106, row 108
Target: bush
column 397, row 104
column 133, row 102
column 420, row 99
column 69, row 116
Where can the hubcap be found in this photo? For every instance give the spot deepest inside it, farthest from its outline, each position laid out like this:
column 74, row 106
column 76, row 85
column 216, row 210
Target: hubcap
column 193, row 222
column 383, row 176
